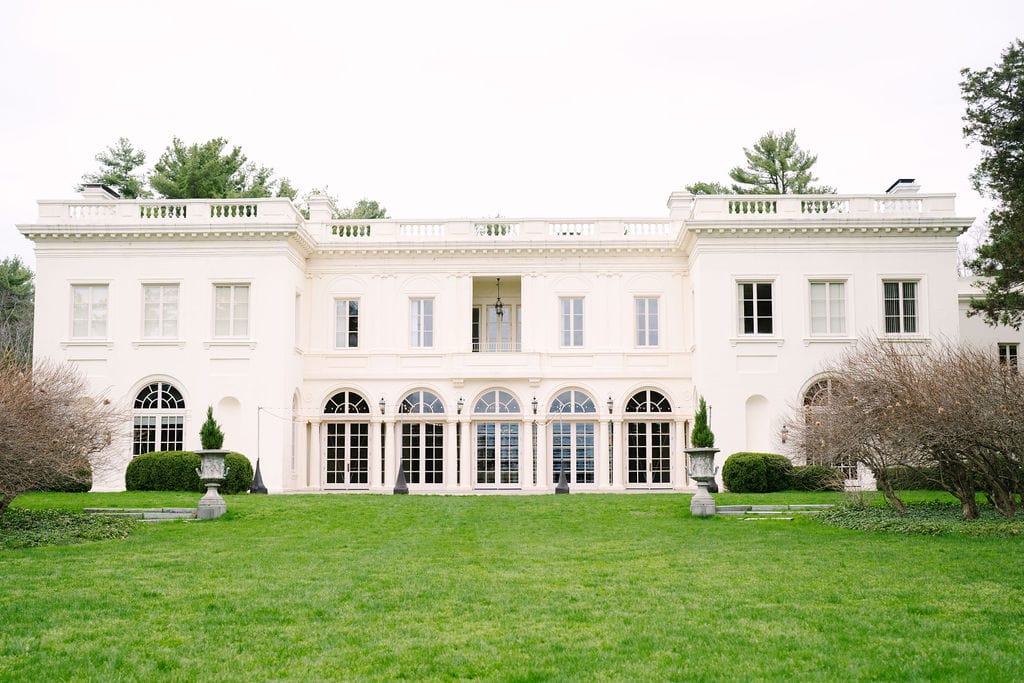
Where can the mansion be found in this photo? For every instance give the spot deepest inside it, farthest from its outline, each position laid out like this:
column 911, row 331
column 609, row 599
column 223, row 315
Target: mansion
column 484, row 355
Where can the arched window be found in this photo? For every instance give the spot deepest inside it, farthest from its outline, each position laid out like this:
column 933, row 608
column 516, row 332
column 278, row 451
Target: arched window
column 818, row 394
column 816, row 400
column 497, row 439
column 422, row 439
column 158, row 419
column 648, row 440
column 347, row 441
column 573, row 431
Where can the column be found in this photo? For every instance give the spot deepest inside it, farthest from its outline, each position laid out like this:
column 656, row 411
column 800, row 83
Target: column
column 390, row 459
column 679, row 479
column 526, row 455
column 374, row 455
column 315, row 474
column 543, row 458
column 601, row 454
column 618, row 482
column 450, row 453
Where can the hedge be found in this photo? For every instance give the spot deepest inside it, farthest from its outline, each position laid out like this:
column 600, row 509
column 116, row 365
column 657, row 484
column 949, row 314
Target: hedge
column 176, row 471
column 914, row 478
column 756, row 472
column 816, row 478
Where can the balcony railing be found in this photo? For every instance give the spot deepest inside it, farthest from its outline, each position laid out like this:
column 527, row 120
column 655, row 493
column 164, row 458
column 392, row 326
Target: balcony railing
column 496, row 347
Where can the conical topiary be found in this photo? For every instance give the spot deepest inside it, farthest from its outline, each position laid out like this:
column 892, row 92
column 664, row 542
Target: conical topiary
column 702, row 436
column 210, row 434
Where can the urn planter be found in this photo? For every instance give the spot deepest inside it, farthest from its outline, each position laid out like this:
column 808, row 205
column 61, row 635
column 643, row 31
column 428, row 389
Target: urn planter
column 212, row 472
column 702, row 470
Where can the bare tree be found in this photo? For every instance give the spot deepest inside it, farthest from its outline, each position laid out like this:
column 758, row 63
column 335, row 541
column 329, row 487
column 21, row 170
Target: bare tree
column 950, row 408
column 51, row 429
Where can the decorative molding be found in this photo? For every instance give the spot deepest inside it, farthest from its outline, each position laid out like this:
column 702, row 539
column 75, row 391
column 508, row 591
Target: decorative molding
column 225, row 343
column 83, row 343
column 754, row 341
column 179, row 343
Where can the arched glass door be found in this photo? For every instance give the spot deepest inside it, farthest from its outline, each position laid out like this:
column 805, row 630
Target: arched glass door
column 648, row 440
column 573, row 430
column 346, row 442
column 422, row 438
column 497, row 421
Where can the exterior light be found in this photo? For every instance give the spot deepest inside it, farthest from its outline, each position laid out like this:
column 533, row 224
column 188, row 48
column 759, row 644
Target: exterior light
column 499, row 309
column 611, row 404
column 460, row 405
column 784, row 434
column 382, row 405
column 534, row 404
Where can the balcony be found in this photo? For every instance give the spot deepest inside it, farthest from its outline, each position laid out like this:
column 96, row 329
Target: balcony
column 497, row 317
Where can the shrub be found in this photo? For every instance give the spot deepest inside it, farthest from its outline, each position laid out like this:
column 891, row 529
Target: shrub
column 176, row 471
column 80, row 482
column 816, row 478
column 702, row 436
column 210, row 433
column 756, row 472
column 914, row 478
column 21, row 528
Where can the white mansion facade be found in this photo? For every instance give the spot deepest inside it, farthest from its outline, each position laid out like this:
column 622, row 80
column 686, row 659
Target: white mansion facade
column 483, row 355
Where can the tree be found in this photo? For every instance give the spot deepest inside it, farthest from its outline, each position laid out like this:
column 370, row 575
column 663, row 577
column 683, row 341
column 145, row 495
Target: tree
column 210, row 434
column 208, row 171
column 364, row 208
column 118, row 170
column 994, row 119
column 702, row 436
column 17, row 302
column 51, row 430
column 775, row 165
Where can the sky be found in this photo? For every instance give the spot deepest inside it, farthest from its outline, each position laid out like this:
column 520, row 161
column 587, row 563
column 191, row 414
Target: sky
column 525, row 109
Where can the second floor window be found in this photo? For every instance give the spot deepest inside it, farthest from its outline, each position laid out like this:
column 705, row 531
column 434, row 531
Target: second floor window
column 755, row 299
column 646, row 321
column 231, row 311
column 1008, row 355
column 572, row 321
column 346, row 323
column 421, row 323
column 89, row 310
column 900, row 307
column 160, row 311
column 828, row 308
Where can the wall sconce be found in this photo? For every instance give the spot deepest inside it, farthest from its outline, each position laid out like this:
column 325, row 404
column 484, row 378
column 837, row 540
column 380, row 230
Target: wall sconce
column 784, row 433
column 534, row 404
column 611, row 404
column 382, row 405
column 460, row 405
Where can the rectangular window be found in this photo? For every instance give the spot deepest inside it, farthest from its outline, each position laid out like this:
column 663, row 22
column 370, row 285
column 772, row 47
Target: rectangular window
column 89, row 310
column 572, row 321
column 160, row 311
column 828, row 308
column 231, row 311
column 346, row 323
column 900, row 307
column 1008, row 354
column 421, row 324
column 755, row 299
column 646, row 321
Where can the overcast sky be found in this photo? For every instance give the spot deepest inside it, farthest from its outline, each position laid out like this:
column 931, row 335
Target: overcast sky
column 532, row 109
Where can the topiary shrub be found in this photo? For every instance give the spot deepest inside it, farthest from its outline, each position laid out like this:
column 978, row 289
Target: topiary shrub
column 816, row 478
column 210, row 434
column 176, row 471
column 702, row 436
column 756, row 472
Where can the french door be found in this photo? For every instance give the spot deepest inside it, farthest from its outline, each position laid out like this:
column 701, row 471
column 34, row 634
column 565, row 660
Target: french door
column 497, row 454
column 572, row 449
column 348, row 455
column 423, row 452
column 649, row 454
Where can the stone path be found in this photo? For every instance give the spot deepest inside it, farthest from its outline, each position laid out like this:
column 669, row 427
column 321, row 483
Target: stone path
column 146, row 514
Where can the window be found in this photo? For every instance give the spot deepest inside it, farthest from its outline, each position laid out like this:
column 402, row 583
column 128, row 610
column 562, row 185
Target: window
column 646, row 321
column 828, row 308
column 421, row 324
column 346, row 324
column 160, row 311
column 89, row 310
column 422, row 441
column 572, row 321
column 502, row 333
column 1008, row 355
column 755, row 300
column 648, row 440
column 497, row 440
column 572, row 438
column 158, row 420
column 231, row 311
column 347, row 441
column 829, row 452
column 900, row 307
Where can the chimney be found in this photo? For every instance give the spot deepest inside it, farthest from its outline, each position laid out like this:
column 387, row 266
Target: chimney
column 321, row 208
column 903, row 186
column 98, row 191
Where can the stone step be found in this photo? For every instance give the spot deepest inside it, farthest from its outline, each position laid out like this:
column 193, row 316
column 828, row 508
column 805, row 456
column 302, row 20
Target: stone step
column 106, row 510
column 146, row 514
column 767, row 519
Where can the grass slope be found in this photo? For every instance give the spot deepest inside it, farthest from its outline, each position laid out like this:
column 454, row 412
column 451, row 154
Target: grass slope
column 605, row 587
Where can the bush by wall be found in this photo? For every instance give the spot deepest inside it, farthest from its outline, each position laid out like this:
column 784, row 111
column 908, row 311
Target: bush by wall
column 176, row 471
column 80, row 483
column 815, row 478
column 914, row 479
column 756, row 472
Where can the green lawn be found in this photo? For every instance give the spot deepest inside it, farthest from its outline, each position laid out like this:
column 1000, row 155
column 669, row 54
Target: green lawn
column 612, row 587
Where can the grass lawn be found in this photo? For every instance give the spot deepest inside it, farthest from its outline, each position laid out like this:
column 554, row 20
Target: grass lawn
column 609, row 587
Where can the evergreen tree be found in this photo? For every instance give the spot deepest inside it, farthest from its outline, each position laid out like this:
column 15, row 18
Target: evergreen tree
column 702, row 436
column 17, row 303
column 210, row 434
column 208, row 171
column 118, row 170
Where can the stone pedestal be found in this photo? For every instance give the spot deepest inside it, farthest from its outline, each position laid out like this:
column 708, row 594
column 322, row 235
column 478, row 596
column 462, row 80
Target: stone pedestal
column 212, row 472
column 702, row 470
column 211, row 505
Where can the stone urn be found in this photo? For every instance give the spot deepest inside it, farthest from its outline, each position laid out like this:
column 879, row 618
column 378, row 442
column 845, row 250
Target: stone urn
column 212, row 472
column 702, row 470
